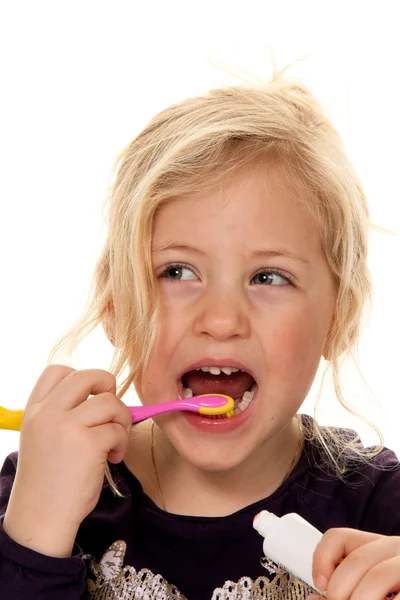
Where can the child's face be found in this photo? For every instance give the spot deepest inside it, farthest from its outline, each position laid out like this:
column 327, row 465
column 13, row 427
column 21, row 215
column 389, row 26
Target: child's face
column 224, row 303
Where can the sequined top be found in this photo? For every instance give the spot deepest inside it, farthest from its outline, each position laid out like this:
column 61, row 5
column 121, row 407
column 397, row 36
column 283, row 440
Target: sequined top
column 131, row 549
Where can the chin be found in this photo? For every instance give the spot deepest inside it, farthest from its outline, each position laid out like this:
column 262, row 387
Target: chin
column 213, row 465
column 217, row 457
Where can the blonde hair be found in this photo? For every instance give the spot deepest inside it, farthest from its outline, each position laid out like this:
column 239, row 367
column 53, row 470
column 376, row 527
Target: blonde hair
column 194, row 145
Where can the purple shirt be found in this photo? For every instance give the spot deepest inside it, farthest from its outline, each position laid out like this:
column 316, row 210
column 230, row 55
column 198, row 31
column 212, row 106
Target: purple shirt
column 127, row 548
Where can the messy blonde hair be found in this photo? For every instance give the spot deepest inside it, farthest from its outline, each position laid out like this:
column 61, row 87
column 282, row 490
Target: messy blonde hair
column 196, row 144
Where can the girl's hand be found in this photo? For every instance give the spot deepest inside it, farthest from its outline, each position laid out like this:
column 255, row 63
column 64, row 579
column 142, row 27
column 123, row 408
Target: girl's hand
column 370, row 569
column 66, row 440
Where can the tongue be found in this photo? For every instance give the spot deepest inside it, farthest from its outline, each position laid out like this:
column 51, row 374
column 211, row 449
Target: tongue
column 234, row 385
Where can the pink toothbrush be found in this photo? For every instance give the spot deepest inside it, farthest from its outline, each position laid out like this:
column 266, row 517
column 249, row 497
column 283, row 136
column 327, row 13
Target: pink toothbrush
column 205, row 404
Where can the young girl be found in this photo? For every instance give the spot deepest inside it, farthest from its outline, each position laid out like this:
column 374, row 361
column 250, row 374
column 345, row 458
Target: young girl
column 236, row 258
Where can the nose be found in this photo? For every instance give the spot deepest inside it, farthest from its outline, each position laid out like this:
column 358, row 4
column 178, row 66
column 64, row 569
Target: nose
column 222, row 316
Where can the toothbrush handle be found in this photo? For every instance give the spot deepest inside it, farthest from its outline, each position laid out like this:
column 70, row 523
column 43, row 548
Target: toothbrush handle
column 10, row 419
column 141, row 413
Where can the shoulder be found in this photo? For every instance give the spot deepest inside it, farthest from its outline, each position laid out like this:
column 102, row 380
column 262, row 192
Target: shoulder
column 382, row 511
column 7, row 476
column 366, row 496
column 10, row 463
column 343, row 452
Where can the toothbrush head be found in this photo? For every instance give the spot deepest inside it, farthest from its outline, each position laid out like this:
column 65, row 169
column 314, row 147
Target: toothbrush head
column 216, row 404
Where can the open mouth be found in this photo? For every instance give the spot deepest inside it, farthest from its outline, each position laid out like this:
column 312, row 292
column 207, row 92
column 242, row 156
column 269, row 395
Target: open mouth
column 230, row 381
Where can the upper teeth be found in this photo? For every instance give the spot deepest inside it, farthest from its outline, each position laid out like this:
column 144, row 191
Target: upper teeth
column 217, row 370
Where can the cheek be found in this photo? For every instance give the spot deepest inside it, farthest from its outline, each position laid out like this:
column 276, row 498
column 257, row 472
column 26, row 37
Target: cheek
column 151, row 385
column 295, row 344
column 175, row 316
column 171, row 326
column 169, row 334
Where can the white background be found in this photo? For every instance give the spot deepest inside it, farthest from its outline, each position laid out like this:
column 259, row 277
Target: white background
column 79, row 79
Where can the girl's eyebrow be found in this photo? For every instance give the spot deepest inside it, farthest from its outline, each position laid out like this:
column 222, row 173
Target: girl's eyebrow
column 275, row 252
column 280, row 252
column 172, row 246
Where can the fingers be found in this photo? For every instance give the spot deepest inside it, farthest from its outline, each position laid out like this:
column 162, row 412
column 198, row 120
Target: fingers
column 69, row 387
column 60, row 386
column 359, row 570
column 380, row 581
column 336, row 544
column 369, row 566
column 47, row 381
column 104, row 408
column 112, row 439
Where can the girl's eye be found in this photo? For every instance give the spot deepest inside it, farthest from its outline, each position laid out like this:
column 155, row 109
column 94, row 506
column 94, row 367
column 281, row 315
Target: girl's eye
column 271, row 277
column 177, row 273
column 181, row 272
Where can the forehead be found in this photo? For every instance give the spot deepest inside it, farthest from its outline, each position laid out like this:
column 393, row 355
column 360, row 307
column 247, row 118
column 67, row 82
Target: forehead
column 256, row 206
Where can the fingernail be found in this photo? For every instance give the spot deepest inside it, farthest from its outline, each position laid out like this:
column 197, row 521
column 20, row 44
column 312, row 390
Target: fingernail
column 321, row 583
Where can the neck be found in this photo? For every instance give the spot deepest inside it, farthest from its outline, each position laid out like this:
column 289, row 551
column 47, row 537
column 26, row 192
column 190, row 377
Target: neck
column 184, row 489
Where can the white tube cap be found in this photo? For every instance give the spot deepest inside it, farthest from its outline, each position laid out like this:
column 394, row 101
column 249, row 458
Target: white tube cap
column 263, row 521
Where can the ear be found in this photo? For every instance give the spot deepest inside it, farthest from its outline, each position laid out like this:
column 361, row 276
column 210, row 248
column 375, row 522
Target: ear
column 108, row 323
column 326, row 352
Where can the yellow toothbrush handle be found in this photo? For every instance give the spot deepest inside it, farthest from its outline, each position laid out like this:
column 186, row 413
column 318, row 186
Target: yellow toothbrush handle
column 10, row 419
